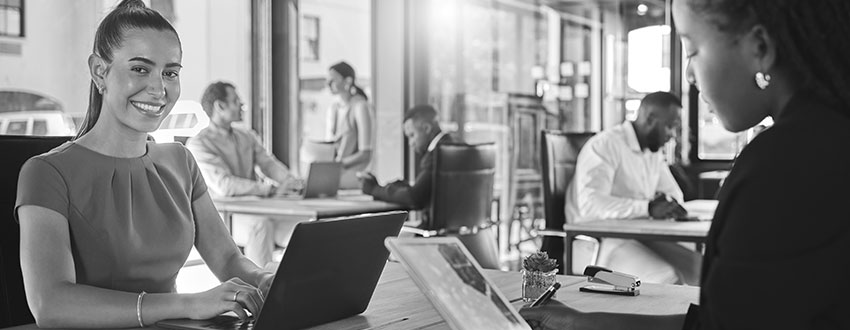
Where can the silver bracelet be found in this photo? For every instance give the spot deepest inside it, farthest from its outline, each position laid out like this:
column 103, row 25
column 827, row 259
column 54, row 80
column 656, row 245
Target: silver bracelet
column 139, row 309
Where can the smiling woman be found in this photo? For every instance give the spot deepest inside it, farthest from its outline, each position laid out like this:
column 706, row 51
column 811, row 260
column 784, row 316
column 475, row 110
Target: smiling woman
column 138, row 83
column 108, row 219
column 122, row 48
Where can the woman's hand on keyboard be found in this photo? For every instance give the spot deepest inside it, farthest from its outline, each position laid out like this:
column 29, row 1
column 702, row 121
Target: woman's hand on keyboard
column 234, row 295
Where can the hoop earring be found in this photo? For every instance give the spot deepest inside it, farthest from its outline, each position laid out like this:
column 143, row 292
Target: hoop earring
column 762, row 80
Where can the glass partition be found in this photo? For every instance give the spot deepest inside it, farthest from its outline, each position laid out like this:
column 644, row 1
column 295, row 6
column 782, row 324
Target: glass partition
column 502, row 70
column 330, row 31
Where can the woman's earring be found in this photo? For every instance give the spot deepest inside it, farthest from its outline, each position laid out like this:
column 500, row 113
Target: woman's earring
column 762, row 80
column 101, row 89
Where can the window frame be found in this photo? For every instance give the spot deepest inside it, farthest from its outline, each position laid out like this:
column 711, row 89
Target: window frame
column 316, row 22
column 4, row 7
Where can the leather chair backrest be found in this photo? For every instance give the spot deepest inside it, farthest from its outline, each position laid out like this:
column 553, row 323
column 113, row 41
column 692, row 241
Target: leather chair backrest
column 462, row 190
column 559, row 154
column 16, row 150
column 461, row 196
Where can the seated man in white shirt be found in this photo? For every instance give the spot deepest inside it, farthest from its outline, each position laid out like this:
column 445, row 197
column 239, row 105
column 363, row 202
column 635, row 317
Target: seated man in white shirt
column 229, row 158
column 620, row 174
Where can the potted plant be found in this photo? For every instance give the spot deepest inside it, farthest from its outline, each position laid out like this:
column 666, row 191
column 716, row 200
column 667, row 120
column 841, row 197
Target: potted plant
column 538, row 274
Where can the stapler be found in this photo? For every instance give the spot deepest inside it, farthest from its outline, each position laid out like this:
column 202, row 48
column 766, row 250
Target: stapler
column 613, row 282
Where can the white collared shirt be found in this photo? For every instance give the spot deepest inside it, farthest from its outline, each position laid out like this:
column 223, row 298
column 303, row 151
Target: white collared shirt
column 435, row 141
column 615, row 179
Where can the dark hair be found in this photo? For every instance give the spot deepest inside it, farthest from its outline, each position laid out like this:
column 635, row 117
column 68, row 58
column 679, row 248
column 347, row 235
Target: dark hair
column 129, row 14
column 811, row 37
column 346, row 71
column 421, row 113
column 660, row 99
column 216, row 91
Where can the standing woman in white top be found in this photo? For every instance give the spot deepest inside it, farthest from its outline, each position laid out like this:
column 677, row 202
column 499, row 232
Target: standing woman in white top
column 349, row 124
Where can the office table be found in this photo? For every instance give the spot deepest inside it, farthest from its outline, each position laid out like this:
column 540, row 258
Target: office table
column 640, row 229
column 398, row 304
column 345, row 204
column 645, row 229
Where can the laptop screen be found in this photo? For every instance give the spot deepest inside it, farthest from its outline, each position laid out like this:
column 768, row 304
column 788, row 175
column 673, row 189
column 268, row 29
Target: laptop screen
column 446, row 273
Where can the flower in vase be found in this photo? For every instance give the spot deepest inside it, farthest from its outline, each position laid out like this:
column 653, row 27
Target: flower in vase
column 539, row 262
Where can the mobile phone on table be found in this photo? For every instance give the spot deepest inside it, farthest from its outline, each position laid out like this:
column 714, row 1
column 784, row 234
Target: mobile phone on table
column 688, row 218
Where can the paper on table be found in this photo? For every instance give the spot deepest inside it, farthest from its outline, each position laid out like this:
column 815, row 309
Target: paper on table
column 701, row 208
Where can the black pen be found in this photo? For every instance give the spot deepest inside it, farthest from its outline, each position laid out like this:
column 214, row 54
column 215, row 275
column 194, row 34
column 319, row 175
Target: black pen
column 546, row 295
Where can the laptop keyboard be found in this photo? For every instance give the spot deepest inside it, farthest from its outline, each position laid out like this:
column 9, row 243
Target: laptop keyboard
column 230, row 322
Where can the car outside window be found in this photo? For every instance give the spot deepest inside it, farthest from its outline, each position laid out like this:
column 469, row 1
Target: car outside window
column 17, row 127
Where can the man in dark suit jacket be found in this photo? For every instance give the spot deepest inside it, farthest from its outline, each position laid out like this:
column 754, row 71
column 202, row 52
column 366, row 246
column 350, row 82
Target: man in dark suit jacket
column 423, row 134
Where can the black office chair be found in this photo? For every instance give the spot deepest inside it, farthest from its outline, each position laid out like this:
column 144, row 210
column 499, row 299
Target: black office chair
column 16, row 150
column 461, row 196
column 558, row 157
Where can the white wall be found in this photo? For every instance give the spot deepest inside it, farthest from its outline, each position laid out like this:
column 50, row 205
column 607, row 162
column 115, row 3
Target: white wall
column 345, row 35
column 216, row 37
column 53, row 59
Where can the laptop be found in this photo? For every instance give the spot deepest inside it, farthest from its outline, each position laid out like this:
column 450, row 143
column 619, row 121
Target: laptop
column 328, row 272
column 452, row 281
column 322, row 181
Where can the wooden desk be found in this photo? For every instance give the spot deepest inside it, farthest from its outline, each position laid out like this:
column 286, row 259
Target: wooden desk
column 398, row 304
column 302, row 209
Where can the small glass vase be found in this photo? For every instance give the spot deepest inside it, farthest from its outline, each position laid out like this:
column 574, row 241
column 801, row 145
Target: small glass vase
column 534, row 283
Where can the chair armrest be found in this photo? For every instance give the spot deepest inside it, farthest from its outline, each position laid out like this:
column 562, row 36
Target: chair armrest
column 417, row 231
column 587, row 238
column 562, row 234
column 549, row 232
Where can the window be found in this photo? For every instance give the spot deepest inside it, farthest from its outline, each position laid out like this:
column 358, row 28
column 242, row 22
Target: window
column 12, row 18
column 647, row 53
column 39, row 127
column 715, row 142
column 17, row 127
column 310, row 38
column 347, row 37
column 211, row 52
column 583, row 63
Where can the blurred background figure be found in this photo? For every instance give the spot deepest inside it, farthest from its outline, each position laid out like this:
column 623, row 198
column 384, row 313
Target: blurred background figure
column 423, row 135
column 622, row 174
column 350, row 124
column 229, row 158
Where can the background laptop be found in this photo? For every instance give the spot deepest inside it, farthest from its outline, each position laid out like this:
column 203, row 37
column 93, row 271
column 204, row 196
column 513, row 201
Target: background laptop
column 322, row 181
column 452, row 281
column 328, row 272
